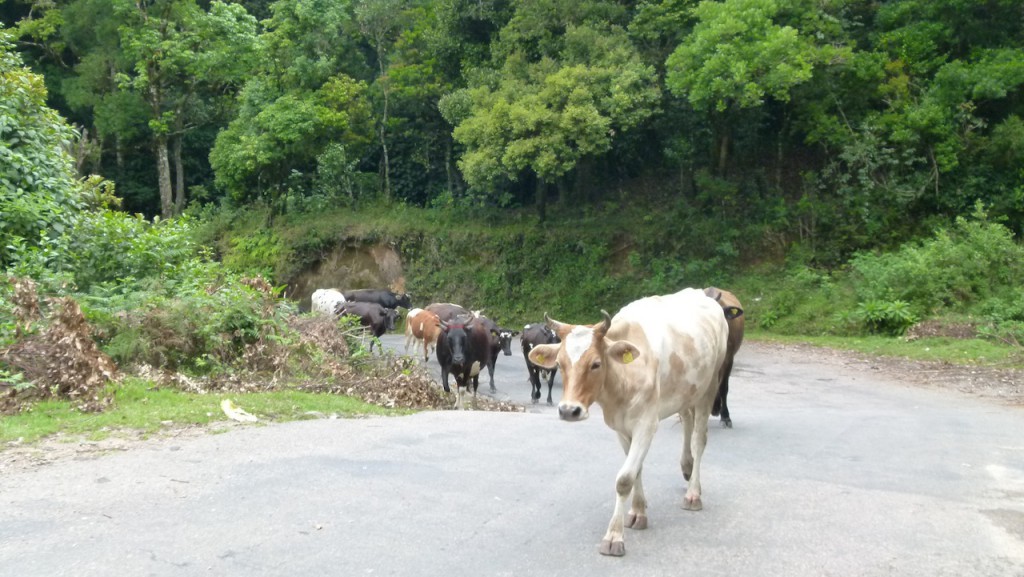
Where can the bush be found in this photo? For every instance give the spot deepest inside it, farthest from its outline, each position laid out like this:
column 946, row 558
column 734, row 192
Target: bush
column 958, row 267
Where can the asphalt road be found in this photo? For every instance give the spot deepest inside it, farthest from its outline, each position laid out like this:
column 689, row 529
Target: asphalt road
column 829, row 470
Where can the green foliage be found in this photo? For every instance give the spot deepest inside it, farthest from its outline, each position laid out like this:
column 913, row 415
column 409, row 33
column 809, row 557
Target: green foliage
column 545, row 116
column 39, row 196
column 736, row 56
column 298, row 104
column 196, row 318
column 964, row 265
column 890, row 318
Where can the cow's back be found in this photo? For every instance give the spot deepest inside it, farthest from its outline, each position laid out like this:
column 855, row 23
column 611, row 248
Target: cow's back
column 685, row 337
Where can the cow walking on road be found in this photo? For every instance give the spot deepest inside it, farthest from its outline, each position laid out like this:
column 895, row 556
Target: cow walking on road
column 734, row 316
column 659, row 356
column 374, row 318
column 460, row 355
column 533, row 335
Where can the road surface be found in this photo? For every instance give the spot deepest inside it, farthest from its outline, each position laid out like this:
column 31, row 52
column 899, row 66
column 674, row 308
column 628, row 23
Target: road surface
column 829, row 470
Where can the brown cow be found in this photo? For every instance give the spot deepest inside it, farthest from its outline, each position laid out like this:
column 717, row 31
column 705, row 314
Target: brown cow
column 422, row 326
column 734, row 316
column 659, row 356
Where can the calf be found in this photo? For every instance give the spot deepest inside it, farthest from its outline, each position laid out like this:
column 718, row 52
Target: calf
column 374, row 317
column 659, row 356
column 734, row 316
column 460, row 355
column 533, row 335
column 424, row 327
column 383, row 297
column 325, row 301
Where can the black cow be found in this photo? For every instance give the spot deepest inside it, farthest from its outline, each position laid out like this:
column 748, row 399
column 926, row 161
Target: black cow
column 371, row 315
column 383, row 297
column 497, row 340
column 533, row 335
column 461, row 356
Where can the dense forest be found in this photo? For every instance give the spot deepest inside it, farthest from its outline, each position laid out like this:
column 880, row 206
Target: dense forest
column 832, row 125
column 170, row 168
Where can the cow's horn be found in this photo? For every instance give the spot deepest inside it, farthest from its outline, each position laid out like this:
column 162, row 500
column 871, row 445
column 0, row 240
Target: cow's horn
column 561, row 329
column 605, row 324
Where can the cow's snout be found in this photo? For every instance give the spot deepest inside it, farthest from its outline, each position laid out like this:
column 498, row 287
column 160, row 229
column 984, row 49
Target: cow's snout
column 572, row 412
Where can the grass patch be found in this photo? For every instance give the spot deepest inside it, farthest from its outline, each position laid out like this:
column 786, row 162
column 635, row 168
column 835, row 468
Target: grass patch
column 978, row 352
column 139, row 406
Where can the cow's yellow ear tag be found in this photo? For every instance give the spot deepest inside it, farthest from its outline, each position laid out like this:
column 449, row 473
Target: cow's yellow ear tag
column 627, row 357
column 540, row 359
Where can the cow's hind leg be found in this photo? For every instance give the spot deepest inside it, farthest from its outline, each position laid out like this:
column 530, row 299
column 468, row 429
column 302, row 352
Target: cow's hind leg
column 721, row 406
column 551, row 383
column 695, row 425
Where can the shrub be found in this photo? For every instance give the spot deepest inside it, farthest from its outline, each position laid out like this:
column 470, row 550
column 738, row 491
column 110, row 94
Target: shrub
column 957, row 267
column 891, row 318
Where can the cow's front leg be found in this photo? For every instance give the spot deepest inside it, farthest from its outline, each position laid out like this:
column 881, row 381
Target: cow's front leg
column 551, row 383
column 636, row 450
column 636, row 518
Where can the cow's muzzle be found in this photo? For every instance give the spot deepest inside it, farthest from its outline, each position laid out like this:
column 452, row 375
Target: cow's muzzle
column 572, row 412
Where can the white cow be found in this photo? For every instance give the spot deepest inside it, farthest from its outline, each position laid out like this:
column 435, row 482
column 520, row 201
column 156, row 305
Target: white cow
column 659, row 356
column 326, row 301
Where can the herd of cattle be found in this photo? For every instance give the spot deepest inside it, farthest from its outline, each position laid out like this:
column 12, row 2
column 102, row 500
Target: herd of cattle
column 658, row 356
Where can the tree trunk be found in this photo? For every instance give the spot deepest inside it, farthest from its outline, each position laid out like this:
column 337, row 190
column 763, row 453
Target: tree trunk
column 723, row 152
column 384, row 123
column 179, row 175
column 448, row 166
column 542, row 199
column 163, row 167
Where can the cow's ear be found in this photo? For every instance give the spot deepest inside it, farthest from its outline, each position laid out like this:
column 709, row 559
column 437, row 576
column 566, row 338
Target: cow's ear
column 624, row 352
column 733, row 312
column 545, row 356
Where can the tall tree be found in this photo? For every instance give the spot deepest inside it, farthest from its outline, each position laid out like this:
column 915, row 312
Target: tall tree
column 299, row 101
column 176, row 50
column 541, row 118
column 735, row 58
column 381, row 21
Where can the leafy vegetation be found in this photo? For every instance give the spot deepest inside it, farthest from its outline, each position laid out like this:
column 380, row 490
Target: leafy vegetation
column 849, row 168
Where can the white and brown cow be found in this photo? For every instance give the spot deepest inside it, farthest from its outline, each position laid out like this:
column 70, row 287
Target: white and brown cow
column 423, row 327
column 660, row 356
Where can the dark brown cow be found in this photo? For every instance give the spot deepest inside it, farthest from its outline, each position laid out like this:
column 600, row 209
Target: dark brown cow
column 498, row 340
column 449, row 311
column 461, row 355
column 734, row 316
column 374, row 317
column 534, row 335
column 383, row 297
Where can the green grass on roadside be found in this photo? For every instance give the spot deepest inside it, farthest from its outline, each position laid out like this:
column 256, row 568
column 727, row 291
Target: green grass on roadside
column 958, row 351
column 138, row 406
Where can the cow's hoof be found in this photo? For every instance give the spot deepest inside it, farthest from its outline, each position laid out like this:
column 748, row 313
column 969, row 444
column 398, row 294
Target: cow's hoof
column 692, row 504
column 613, row 548
column 550, row 404
column 726, row 423
column 637, row 522
column 493, row 390
column 535, row 401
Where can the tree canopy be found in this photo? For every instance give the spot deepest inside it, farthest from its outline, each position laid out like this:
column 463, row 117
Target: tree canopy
column 827, row 123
